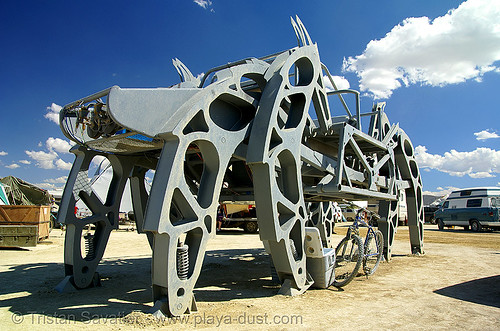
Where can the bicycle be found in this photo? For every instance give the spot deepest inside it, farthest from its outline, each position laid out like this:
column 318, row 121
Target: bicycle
column 351, row 252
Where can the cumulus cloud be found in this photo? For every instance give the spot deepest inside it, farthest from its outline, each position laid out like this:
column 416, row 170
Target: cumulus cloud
column 44, row 160
column 461, row 45
column 50, row 159
column 58, row 145
column 53, row 183
column 53, row 113
column 49, row 186
column 59, row 180
column 340, row 82
column 62, row 165
column 441, row 191
column 98, row 159
column 479, row 163
column 3, row 153
column 13, row 166
column 486, row 134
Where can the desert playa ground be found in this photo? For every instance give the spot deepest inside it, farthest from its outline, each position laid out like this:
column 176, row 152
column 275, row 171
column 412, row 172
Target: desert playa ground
column 455, row 284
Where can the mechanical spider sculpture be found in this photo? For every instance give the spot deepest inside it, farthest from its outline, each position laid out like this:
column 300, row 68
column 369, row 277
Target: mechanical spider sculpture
column 243, row 132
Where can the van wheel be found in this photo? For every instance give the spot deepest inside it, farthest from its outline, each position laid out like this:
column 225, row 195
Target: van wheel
column 251, row 227
column 440, row 224
column 475, row 226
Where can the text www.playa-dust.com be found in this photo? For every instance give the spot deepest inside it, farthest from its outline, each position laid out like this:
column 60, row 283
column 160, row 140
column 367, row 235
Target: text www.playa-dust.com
column 85, row 317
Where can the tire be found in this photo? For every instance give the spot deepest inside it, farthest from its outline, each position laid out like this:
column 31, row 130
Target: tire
column 440, row 224
column 475, row 226
column 349, row 257
column 251, row 227
column 373, row 252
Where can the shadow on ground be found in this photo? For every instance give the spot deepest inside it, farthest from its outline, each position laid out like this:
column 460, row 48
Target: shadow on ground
column 484, row 291
column 126, row 285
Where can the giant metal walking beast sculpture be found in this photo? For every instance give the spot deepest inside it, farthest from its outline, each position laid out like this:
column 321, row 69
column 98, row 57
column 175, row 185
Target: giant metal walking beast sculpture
column 259, row 129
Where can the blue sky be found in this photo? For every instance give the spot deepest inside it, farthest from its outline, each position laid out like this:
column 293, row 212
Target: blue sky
column 435, row 63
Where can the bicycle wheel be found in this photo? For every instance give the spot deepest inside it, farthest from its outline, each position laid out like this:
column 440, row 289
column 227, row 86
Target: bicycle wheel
column 349, row 253
column 373, row 249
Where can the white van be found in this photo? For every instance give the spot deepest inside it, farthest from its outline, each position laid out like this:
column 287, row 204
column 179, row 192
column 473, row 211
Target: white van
column 476, row 208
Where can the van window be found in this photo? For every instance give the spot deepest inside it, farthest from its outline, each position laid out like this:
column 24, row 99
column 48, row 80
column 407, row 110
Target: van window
column 495, row 202
column 465, row 193
column 474, row 202
column 446, row 204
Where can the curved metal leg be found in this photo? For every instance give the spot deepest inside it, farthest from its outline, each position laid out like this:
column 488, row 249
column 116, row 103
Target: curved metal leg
column 181, row 211
column 140, row 199
column 81, row 264
column 274, row 156
column 407, row 165
column 388, row 224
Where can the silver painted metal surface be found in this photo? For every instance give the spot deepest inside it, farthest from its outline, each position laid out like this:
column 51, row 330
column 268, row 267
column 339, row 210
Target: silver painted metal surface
column 256, row 130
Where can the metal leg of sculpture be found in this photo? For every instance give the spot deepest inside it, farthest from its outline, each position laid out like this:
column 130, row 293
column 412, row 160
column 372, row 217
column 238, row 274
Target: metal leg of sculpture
column 189, row 178
column 81, row 262
column 405, row 158
column 274, row 156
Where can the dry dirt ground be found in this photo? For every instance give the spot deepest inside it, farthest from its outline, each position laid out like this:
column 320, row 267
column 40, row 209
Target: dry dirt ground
column 456, row 284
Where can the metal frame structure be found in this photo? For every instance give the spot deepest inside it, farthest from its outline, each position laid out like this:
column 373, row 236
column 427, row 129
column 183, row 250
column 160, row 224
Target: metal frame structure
column 243, row 132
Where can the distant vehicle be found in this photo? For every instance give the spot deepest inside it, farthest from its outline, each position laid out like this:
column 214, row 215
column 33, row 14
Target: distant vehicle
column 429, row 214
column 401, row 210
column 238, row 215
column 476, row 208
column 349, row 212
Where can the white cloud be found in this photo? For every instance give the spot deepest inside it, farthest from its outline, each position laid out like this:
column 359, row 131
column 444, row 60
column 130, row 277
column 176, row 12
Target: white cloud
column 53, row 113
column 463, row 44
column 24, row 162
column 43, row 159
column 486, row 134
column 53, row 183
column 59, row 180
column 48, row 160
column 480, row 163
column 58, row 145
column 49, row 186
column 98, row 159
column 12, row 166
column 203, row 3
column 62, row 165
column 340, row 82
column 3, row 153
column 441, row 191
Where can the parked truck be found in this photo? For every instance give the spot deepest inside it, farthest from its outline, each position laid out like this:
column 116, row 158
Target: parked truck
column 238, row 215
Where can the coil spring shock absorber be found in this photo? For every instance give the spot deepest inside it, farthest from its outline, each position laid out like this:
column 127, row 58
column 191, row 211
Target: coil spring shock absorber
column 89, row 246
column 182, row 261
